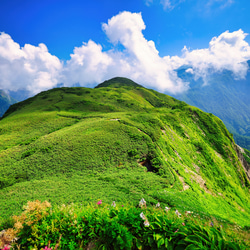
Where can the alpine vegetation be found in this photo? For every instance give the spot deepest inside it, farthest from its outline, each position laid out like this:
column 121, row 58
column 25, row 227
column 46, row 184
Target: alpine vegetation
column 119, row 166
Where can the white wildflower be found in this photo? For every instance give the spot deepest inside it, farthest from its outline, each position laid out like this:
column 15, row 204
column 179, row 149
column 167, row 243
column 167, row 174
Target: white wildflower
column 146, row 223
column 177, row 213
column 113, row 204
column 142, row 203
column 158, row 205
column 167, row 209
column 142, row 216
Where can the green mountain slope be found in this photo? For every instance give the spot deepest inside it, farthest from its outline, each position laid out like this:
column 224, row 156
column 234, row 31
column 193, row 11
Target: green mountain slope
column 223, row 96
column 119, row 142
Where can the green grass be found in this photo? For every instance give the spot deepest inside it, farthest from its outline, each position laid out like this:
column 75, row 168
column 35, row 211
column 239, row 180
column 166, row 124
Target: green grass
column 218, row 97
column 80, row 145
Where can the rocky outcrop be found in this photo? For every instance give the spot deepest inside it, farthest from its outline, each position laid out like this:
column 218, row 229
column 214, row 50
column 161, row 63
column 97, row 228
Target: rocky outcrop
column 243, row 161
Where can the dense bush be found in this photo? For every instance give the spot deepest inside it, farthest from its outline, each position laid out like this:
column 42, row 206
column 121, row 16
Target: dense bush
column 113, row 226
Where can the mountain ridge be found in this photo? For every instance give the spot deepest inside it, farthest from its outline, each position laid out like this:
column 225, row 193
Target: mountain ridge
column 120, row 143
column 222, row 95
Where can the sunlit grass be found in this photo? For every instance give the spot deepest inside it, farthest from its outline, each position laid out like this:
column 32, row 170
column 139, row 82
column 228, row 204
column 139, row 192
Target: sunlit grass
column 80, row 145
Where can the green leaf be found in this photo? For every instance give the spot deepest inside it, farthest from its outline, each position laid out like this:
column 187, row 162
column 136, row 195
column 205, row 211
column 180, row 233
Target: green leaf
column 181, row 233
column 157, row 236
column 166, row 242
column 192, row 247
column 157, row 224
column 232, row 246
column 203, row 238
column 160, row 242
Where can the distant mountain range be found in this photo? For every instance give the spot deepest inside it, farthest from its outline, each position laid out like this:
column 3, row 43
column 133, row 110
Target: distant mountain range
column 225, row 97
column 5, row 101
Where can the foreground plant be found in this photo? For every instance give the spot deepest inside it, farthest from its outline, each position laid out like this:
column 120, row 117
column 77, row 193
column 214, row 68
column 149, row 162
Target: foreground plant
column 112, row 226
column 7, row 237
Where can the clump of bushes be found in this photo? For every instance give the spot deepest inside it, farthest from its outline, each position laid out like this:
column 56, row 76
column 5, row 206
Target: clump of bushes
column 112, row 226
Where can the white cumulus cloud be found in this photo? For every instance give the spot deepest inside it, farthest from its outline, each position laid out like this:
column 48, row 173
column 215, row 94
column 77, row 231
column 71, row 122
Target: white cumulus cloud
column 31, row 68
column 139, row 60
column 229, row 51
column 88, row 64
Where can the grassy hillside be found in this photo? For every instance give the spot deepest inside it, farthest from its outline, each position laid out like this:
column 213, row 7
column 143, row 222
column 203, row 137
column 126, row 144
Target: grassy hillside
column 119, row 142
column 223, row 96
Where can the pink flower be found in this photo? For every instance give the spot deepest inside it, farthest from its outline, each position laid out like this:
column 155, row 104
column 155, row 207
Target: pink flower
column 183, row 224
column 99, row 202
column 47, row 248
column 6, row 248
column 177, row 230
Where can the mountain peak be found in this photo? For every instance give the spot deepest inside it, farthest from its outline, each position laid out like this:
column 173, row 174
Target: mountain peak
column 118, row 82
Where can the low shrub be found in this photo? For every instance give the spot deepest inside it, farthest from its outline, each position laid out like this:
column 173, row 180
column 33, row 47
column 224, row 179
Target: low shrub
column 114, row 226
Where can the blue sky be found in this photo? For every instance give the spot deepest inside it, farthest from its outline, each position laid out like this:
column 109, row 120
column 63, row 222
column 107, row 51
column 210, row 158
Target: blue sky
column 64, row 24
column 49, row 41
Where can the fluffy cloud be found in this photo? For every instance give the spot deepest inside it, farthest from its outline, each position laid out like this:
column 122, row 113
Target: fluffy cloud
column 229, row 51
column 32, row 68
column 138, row 60
column 147, row 66
column 88, row 64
